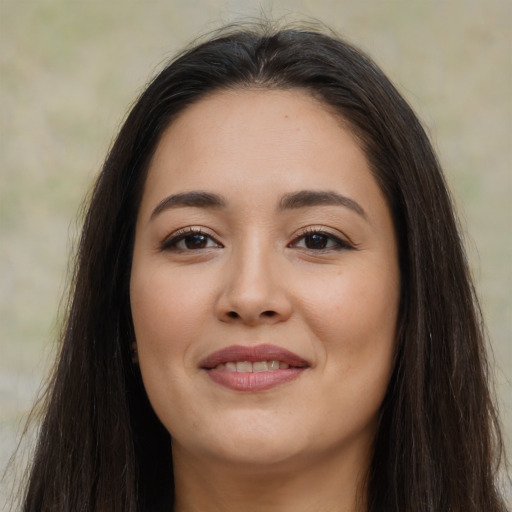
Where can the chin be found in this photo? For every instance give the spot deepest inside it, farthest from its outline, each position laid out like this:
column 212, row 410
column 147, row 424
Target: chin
column 253, row 444
column 257, row 454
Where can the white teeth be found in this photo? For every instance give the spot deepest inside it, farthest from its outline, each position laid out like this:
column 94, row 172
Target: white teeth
column 273, row 365
column 257, row 366
column 244, row 366
column 260, row 366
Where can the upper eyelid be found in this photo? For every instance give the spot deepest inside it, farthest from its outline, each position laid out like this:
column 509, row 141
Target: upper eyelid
column 190, row 230
column 180, row 234
column 324, row 230
column 339, row 237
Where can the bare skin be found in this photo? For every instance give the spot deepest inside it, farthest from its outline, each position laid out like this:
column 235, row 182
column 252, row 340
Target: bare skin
column 262, row 225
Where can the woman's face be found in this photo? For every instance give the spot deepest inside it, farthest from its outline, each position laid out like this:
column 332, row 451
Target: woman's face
column 265, row 283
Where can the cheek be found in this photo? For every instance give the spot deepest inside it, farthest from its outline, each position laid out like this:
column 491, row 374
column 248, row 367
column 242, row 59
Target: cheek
column 352, row 319
column 167, row 309
column 168, row 312
column 352, row 311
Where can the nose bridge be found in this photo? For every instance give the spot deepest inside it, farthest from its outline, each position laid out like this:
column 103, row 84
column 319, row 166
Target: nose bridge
column 252, row 270
column 252, row 290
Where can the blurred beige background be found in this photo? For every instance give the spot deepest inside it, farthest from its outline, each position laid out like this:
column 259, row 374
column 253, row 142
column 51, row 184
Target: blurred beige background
column 69, row 70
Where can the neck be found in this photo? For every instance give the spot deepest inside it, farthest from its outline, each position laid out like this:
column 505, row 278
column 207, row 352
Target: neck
column 327, row 483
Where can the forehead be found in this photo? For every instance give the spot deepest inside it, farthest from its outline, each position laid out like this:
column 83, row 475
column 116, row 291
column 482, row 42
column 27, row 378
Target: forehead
column 257, row 141
column 262, row 104
column 288, row 122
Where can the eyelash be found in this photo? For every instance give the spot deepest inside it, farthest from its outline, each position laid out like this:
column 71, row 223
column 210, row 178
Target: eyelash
column 172, row 242
column 181, row 235
column 339, row 244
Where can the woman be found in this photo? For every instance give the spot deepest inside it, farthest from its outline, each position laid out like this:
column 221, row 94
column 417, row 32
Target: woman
column 271, row 309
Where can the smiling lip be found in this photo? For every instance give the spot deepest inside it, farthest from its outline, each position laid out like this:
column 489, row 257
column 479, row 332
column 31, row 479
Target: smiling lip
column 253, row 381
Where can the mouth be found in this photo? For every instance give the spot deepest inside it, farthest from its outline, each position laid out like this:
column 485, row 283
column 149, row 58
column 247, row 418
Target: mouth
column 252, row 367
column 256, row 368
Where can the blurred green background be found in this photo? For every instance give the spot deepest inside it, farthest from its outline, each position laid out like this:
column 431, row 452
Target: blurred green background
column 69, row 71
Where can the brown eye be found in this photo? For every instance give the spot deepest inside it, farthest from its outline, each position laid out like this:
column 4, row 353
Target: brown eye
column 196, row 241
column 316, row 241
column 320, row 241
column 190, row 240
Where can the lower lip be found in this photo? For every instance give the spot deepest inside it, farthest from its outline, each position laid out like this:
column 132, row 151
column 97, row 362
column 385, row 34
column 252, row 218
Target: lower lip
column 253, row 381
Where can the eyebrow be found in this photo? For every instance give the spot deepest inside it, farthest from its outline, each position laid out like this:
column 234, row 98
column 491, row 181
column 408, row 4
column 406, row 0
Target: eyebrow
column 306, row 198
column 292, row 201
column 195, row 199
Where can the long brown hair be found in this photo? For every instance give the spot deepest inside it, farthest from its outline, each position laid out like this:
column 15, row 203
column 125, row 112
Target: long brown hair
column 438, row 446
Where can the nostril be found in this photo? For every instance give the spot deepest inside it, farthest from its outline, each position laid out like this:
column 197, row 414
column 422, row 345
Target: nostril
column 267, row 314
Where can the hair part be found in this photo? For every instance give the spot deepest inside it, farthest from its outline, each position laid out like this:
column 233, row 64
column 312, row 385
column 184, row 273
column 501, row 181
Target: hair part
column 438, row 446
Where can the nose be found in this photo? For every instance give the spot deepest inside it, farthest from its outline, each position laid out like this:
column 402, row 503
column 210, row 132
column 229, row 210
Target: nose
column 254, row 291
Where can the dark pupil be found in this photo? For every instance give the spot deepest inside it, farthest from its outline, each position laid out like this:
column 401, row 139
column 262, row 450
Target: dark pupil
column 316, row 241
column 196, row 241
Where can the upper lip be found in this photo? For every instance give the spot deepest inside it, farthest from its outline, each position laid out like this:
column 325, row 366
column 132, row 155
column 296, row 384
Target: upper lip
column 252, row 354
